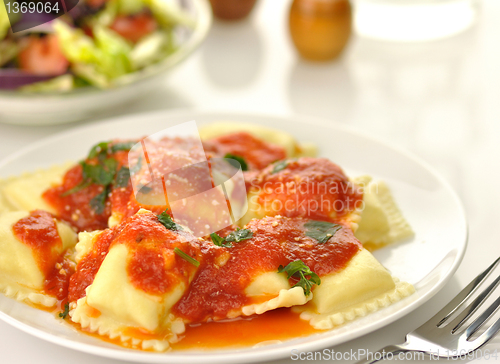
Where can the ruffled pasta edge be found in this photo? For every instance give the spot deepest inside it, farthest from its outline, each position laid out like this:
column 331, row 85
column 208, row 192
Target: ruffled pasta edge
column 286, row 298
column 399, row 228
column 106, row 326
column 329, row 321
column 26, row 294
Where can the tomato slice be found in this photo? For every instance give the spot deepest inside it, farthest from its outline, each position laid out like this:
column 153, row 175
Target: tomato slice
column 43, row 56
column 134, row 27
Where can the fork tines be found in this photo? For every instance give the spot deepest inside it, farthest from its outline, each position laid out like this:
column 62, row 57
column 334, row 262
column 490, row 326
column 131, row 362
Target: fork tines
column 457, row 322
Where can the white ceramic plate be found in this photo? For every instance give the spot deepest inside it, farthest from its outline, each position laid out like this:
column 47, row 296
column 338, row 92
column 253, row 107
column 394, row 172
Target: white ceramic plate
column 428, row 261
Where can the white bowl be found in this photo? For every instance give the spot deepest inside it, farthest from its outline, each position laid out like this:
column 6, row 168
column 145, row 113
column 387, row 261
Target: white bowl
column 86, row 102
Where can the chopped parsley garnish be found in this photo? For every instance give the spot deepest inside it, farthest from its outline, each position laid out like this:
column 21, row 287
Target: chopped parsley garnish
column 137, row 166
column 103, row 148
column 65, row 313
column 240, row 160
column 82, row 185
column 279, row 166
column 167, row 221
column 220, row 241
column 145, row 189
column 103, row 173
column 186, row 257
column 98, row 203
column 98, row 149
column 239, row 235
column 233, row 237
column 321, row 231
column 298, row 269
column 122, row 177
column 125, row 146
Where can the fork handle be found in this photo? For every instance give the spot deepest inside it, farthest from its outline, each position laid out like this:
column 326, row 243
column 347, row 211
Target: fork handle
column 382, row 354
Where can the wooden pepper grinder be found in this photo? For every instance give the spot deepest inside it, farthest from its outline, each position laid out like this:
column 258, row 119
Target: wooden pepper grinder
column 320, row 29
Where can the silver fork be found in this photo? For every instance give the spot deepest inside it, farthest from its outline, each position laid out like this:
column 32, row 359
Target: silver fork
column 440, row 338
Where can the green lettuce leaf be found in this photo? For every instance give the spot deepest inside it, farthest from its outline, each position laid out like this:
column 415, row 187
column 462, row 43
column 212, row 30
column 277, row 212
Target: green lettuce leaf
column 4, row 21
column 152, row 48
column 76, row 46
column 127, row 7
column 97, row 60
column 169, row 13
column 8, row 50
column 115, row 52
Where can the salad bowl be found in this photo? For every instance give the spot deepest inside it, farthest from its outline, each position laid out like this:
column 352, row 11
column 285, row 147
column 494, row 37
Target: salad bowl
column 43, row 104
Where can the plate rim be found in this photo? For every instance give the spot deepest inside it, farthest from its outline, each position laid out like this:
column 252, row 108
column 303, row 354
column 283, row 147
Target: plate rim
column 242, row 355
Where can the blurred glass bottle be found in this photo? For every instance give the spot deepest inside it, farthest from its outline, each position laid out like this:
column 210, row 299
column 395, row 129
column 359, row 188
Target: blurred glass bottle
column 412, row 20
column 320, row 29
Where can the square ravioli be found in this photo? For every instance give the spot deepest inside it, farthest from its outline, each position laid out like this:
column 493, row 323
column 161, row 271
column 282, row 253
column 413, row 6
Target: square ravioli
column 33, row 266
column 362, row 287
column 128, row 278
column 25, row 192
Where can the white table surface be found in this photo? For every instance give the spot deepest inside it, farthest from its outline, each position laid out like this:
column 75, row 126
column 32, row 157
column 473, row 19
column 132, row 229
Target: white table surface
column 440, row 100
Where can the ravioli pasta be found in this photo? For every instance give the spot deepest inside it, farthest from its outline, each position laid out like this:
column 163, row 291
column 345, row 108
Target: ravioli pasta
column 118, row 301
column 22, row 273
column 285, row 298
column 112, row 305
column 25, row 192
column 364, row 286
column 75, row 237
column 381, row 223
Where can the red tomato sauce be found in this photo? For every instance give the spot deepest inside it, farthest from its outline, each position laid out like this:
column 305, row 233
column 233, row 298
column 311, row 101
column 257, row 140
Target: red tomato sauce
column 39, row 232
column 75, row 207
column 257, row 153
column 89, row 265
column 281, row 324
column 173, row 169
column 163, row 156
column 57, row 281
column 152, row 266
column 219, row 284
column 125, row 205
column 217, row 290
column 307, row 187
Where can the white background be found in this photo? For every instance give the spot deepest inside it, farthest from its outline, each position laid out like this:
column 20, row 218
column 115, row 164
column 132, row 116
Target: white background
column 440, row 100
